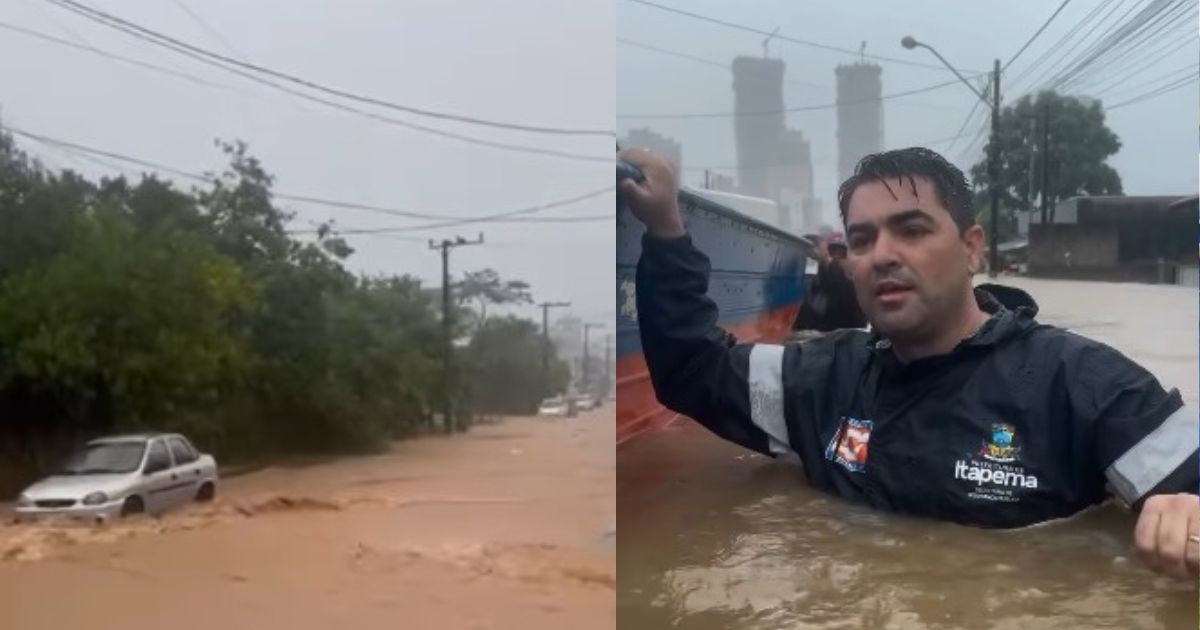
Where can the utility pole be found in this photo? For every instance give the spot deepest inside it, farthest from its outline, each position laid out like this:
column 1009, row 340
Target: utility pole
column 448, row 327
column 546, row 306
column 608, row 375
column 1033, row 130
column 1045, row 155
column 994, row 163
column 584, row 379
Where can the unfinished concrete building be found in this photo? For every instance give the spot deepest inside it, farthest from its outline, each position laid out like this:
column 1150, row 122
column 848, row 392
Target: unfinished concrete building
column 774, row 162
column 859, row 114
column 758, row 120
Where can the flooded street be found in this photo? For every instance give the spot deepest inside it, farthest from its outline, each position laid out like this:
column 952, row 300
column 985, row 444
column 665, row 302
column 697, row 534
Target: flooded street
column 713, row 536
column 507, row 526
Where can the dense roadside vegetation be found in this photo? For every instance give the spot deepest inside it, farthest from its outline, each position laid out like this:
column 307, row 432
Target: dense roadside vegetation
column 137, row 305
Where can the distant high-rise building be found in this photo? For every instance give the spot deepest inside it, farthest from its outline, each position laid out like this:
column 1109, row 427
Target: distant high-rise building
column 811, row 218
column 646, row 138
column 758, row 120
column 859, row 115
column 791, row 165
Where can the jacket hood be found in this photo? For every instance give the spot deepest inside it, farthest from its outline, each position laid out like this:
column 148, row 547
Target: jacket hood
column 1010, row 298
column 1011, row 309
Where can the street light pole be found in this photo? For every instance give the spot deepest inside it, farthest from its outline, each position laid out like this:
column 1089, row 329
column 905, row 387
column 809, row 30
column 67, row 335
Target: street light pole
column 994, row 163
column 993, row 146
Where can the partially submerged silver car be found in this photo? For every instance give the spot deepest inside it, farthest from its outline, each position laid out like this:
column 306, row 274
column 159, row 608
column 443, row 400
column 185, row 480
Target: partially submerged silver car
column 123, row 475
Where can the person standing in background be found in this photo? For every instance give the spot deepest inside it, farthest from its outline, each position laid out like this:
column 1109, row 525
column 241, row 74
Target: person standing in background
column 830, row 303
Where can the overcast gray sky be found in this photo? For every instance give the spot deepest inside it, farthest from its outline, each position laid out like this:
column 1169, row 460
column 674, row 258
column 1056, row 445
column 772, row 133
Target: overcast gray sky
column 1159, row 136
column 542, row 62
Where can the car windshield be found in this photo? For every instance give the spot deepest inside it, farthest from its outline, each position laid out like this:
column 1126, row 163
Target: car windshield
column 105, row 457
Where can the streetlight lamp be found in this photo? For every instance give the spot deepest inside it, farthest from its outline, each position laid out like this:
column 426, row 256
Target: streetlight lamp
column 993, row 147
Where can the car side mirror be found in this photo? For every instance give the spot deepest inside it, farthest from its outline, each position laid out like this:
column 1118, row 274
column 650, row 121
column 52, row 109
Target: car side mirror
column 152, row 468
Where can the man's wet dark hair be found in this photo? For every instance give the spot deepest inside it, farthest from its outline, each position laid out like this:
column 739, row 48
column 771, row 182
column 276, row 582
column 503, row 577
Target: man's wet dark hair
column 902, row 165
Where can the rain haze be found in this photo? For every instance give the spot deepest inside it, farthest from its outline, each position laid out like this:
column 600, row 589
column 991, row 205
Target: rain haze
column 373, row 472
column 1158, row 135
column 540, row 63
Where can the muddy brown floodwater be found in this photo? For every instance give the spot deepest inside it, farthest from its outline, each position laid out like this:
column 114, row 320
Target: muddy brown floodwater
column 507, row 526
column 713, row 536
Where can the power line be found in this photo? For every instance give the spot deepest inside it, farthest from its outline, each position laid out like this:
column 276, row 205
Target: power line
column 58, row 24
column 214, row 33
column 393, row 231
column 701, row 60
column 1132, row 65
column 504, row 146
column 725, row 67
column 334, row 230
column 1112, row 56
column 1121, row 85
column 776, row 35
column 1048, row 75
column 1155, row 93
column 116, row 156
column 966, row 121
column 583, row 218
column 1036, row 34
column 976, row 142
column 970, row 115
column 805, row 108
column 159, row 39
column 1049, row 52
column 672, row 53
column 114, row 56
column 1141, row 33
column 499, row 217
column 447, row 220
column 103, row 163
column 734, row 167
column 1113, row 39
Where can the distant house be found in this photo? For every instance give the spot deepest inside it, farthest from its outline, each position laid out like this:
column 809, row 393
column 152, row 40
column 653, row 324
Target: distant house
column 1133, row 239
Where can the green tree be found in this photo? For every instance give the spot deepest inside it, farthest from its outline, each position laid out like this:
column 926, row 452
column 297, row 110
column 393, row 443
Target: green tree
column 136, row 324
column 486, row 287
column 1079, row 144
column 134, row 305
column 505, row 359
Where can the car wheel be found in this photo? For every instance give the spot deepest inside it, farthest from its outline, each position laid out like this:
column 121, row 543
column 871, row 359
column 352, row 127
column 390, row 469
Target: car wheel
column 206, row 492
column 133, row 505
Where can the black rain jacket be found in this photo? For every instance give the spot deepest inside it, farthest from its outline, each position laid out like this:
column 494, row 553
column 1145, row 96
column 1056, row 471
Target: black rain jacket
column 1019, row 424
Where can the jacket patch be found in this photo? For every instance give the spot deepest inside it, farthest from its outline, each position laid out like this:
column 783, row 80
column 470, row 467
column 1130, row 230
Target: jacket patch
column 1001, row 448
column 849, row 444
column 994, row 469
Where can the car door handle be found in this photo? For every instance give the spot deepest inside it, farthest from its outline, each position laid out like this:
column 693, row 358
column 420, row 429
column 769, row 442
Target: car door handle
column 174, row 476
column 196, row 472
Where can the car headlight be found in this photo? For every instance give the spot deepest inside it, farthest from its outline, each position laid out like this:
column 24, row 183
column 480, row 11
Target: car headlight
column 24, row 501
column 95, row 498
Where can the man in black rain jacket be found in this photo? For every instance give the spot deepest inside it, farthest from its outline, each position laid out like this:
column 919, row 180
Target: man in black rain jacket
column 958, row 405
